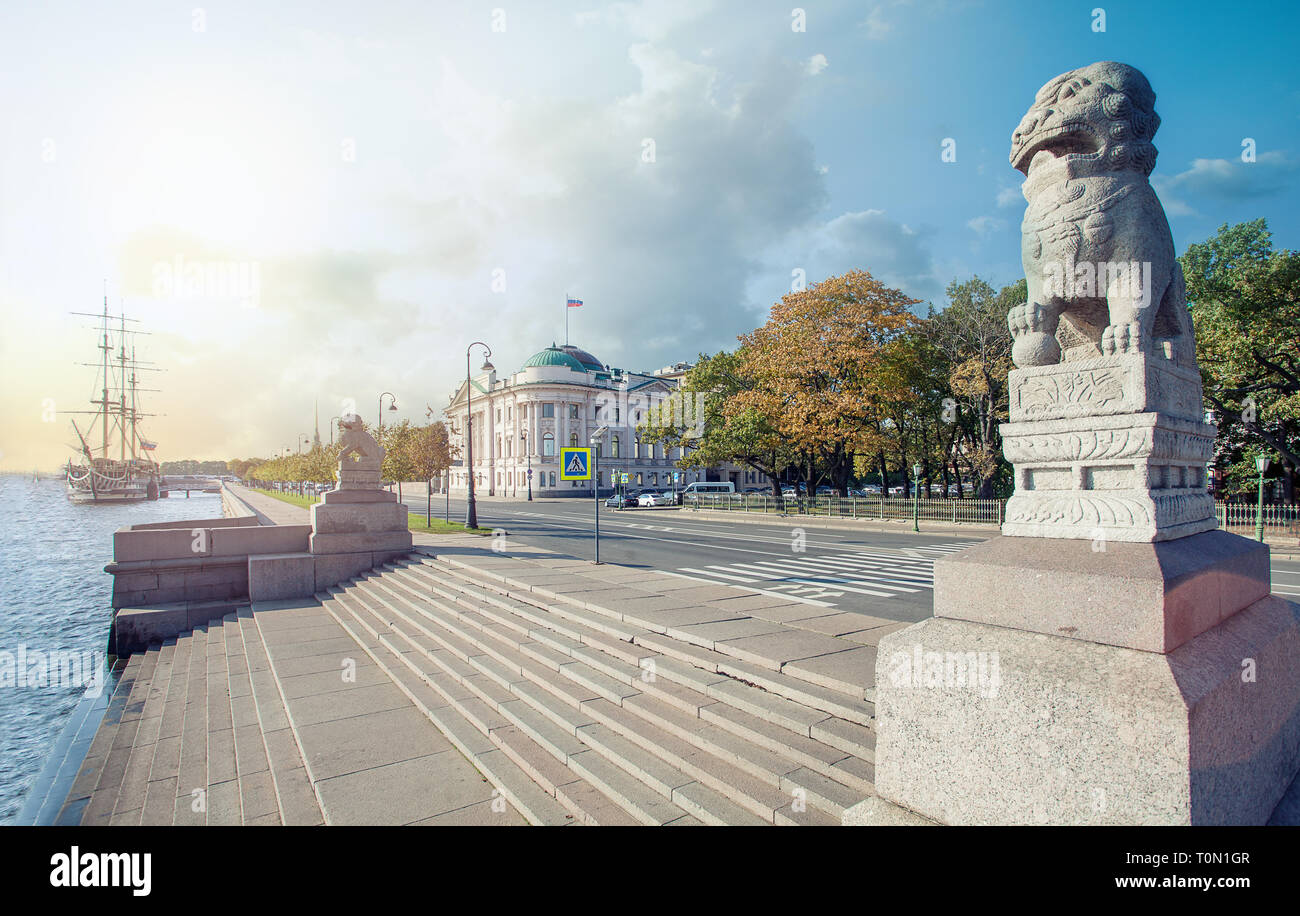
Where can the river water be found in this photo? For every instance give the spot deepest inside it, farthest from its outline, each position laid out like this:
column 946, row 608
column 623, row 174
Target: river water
column 55, row 598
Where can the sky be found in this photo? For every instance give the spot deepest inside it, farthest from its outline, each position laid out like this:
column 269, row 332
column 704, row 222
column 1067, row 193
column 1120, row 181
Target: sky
column 307, row 203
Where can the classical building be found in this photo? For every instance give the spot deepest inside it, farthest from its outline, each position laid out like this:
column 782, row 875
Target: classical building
column 558, row 398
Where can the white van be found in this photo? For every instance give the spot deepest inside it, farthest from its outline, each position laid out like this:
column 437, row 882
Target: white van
column 715, row 488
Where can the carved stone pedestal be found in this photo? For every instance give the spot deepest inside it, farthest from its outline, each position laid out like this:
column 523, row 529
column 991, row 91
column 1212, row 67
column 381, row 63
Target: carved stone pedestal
column 1111, row 448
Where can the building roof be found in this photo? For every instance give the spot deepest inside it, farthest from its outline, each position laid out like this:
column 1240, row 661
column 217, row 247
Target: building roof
column 588, row 361
column 569, row 356
column 554, row 356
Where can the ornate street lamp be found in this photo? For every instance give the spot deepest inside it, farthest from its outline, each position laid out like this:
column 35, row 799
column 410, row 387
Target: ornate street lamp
column 392, row 406
column 1262, row 463
column 523, row 439
column 916, row 496
column 471, row 515
column 334, row 424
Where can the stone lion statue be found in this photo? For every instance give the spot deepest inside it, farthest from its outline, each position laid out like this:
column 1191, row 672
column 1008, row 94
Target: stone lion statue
column 1097, row 253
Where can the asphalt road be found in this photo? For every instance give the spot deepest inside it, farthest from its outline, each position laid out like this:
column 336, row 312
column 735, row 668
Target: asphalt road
column 885, row 574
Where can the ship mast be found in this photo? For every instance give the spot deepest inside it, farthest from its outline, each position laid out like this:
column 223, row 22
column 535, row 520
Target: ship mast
column 103, row 402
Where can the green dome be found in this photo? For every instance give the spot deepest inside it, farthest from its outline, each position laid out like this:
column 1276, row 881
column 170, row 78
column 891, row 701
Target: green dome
column 554, row 356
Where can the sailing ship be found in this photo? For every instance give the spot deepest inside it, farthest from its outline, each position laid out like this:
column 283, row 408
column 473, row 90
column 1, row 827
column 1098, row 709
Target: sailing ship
column 119, row 467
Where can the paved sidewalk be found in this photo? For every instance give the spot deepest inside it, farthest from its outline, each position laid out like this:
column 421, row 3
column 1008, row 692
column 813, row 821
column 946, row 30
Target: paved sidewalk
column 371, row 754
column 272, row 511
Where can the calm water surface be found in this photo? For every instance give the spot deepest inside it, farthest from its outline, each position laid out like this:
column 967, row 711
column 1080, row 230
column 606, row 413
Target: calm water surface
column 54, row 596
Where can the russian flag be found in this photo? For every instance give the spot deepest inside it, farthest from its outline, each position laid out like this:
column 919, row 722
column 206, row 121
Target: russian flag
column 574, row 303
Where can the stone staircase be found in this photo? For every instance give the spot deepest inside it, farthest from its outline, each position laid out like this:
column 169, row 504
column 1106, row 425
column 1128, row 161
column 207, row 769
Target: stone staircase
column 195, row 733
column 586, row 716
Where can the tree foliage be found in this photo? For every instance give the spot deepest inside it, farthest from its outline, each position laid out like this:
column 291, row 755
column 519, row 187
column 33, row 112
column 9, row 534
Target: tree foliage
column 1245, row 301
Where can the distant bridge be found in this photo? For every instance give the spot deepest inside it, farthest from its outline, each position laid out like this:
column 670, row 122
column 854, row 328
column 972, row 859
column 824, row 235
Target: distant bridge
column 198, row 483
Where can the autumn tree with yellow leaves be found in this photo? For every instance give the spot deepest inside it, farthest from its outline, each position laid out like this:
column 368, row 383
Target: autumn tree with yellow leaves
column 825, row 367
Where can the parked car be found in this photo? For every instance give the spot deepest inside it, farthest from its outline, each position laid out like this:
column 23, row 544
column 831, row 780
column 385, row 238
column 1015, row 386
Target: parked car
column 620, row 501
column 654, row 498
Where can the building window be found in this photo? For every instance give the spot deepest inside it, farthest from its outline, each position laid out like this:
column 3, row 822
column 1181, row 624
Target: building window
column 573, row 439
column 638, row 480
column 548, row 410
column 615, row 414
column 600, row 450
column 613, row 451
column 548, row 445
column 595, row 413
column 654, row 479
column 636, row 446
column 507, row 412
column 552, row 478
column 573, row 411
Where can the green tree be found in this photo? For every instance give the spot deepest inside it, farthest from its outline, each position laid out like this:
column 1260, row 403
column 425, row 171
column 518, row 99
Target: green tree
column 1245, row 302
column 972, row 338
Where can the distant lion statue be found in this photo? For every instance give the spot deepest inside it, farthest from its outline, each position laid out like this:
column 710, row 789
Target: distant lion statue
column 1097, row 253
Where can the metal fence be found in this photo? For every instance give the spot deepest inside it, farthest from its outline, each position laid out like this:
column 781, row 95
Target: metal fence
column 971, row 511
column 1240, row 518
column 1236, row 517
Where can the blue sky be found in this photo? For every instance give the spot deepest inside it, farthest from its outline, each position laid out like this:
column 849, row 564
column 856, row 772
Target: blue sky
column 407, row 177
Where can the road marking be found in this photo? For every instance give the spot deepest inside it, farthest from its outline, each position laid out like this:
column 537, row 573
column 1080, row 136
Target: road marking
column 802, row 575
column 746, row 588
column 808, row 566
column 705, row 572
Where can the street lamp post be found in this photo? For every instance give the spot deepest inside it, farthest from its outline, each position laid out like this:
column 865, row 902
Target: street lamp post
column 1262, row 463
column 471, row 515
column 916, row 497
column 392, row 406
column 334, row 424
column 523, row 438
column 595, row 485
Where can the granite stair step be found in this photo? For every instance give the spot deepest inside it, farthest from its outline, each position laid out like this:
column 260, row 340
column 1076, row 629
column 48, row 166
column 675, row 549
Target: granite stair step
column 665, row 723
column 749, row 712
column 523, row 735
column 296, row 804
column 850, row 706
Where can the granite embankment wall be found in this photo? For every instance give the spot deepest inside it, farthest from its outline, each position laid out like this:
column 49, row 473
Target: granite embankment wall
column 172, row 576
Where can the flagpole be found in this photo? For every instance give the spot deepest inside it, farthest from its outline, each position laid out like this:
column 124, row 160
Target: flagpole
column 566, row 319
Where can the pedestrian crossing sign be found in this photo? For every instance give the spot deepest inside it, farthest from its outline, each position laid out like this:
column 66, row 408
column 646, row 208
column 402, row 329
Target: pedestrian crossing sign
column 575, row 464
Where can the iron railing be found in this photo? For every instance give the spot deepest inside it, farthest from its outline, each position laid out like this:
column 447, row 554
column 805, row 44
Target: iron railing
column 1241, row 518
column 970, row 511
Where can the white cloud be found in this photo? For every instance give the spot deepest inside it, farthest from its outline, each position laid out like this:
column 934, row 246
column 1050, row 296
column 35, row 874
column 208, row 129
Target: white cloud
column 877, row 28
column 985, row 225
column 816, row 64
column 1225, row 180
column 1010, row 197
column 648, row 19
column 870, row 240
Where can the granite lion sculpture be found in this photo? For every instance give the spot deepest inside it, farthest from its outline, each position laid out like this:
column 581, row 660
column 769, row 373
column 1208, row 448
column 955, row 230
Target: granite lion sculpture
column 1096, row 248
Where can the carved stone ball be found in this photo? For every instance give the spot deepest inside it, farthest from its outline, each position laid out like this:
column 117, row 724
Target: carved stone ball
column 1035, row 348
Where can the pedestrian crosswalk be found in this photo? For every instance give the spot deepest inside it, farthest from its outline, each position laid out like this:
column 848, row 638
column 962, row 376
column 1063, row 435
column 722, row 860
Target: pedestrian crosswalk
column 822, row 578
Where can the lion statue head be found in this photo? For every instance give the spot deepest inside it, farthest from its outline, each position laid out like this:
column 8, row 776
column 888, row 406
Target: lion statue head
column 1100, row 118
